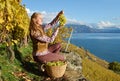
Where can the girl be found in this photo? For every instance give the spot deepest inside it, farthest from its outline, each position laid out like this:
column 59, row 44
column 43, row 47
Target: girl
column 43, row 53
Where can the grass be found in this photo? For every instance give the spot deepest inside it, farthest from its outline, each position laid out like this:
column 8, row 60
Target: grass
column 96, row 72
column 22, row 69
column 25, row 69
column 94, row 68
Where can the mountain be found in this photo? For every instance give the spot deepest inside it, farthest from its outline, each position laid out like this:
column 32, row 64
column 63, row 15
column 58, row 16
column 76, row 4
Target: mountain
column 80, row 28
column 87, row 29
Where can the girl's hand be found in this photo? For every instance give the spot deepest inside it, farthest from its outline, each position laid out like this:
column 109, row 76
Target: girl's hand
column 57, row 28
column 61, row 12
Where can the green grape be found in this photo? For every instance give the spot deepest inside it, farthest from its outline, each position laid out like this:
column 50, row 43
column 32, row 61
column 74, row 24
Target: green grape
column 57, row 63
column 60, row 63
column 62, row 20
column 51, row 64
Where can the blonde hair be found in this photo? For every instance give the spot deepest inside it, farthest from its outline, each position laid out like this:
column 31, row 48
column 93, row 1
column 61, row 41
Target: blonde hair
column 33, row 25
column 33, row 20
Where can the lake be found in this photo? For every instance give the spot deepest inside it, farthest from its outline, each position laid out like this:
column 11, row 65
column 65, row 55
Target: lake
column 104, row 45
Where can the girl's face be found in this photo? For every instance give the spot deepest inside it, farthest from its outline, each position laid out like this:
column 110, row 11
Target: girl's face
column 39, row 20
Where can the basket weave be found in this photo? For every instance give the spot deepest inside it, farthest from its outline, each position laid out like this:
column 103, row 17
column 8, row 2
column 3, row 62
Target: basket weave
column 56, row 71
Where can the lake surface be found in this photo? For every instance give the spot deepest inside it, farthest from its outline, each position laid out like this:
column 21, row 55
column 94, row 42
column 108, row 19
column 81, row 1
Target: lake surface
column 104, row 45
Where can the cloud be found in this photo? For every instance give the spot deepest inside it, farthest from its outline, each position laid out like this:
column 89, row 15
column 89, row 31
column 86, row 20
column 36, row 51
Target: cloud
column 116, row 18
column 49, row 16
column 103, row 24
column 28, row 10
column 74, row 21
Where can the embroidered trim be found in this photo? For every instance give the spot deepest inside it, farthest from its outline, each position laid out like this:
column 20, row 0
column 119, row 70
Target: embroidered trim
column 42, row 53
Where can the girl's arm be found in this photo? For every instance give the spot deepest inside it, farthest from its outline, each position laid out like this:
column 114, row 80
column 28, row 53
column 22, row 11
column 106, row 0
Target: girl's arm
column 45, row 38
column 54, row 21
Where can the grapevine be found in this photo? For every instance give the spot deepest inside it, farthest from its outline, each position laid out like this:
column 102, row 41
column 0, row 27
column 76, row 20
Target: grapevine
column 14, row 23
column 14, row 20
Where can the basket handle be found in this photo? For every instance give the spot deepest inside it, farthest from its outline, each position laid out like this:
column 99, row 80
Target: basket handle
column 43, row 67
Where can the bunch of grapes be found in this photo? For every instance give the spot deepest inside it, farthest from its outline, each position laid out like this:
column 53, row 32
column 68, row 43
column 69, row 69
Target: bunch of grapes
column 62, row 20
column 57, row 63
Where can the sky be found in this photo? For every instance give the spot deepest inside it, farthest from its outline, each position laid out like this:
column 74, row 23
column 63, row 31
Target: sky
column 101, row 13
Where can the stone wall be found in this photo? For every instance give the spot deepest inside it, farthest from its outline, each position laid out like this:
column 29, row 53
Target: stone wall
column 74, row 67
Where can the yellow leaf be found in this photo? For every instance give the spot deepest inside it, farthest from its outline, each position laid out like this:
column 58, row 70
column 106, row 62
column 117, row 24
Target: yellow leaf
column 1, row 20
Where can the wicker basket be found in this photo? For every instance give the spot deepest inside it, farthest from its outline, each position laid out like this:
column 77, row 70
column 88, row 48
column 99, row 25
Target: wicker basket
column 56, row 71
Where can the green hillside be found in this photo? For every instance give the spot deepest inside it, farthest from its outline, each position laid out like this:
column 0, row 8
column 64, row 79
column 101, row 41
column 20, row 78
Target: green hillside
column 94, row 68
column 25, row 69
